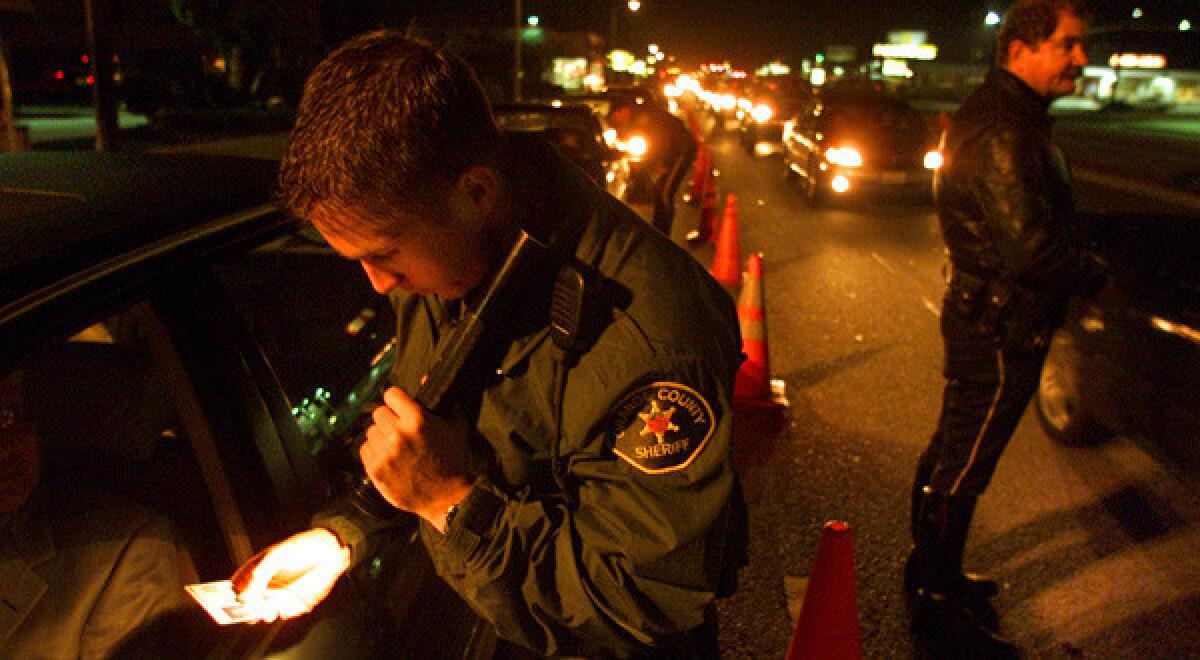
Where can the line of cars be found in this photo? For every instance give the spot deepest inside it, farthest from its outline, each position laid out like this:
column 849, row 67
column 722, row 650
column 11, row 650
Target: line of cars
column 1127, row 360
column 838, row 142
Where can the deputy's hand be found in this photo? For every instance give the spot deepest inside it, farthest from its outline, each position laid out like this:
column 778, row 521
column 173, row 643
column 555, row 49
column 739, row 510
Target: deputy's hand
column 417, row 460
column 291, row 577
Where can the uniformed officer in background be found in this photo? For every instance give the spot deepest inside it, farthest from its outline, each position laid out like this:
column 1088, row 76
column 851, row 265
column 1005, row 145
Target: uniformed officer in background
column 1017, row 254
column 583, row 501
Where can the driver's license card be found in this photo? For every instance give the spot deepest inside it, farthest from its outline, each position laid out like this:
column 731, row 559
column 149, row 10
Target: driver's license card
column 221, row 603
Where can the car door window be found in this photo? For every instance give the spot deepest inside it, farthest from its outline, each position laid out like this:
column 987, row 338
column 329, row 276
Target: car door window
column 107, row 511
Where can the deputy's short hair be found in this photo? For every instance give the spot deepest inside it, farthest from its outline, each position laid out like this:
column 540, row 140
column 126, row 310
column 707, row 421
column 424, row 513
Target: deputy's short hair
column 385, row 121
column 1033, row 21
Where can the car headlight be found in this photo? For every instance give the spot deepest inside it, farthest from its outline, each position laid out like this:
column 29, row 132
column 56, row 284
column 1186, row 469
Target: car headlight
column 933, row 159
column 636, row 146
column 844, row 156
column 762, row 112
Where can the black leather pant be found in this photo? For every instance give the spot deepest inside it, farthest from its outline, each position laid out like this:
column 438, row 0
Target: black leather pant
column 989, row 383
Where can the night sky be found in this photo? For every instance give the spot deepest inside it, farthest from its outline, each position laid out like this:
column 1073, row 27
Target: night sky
column 749, row 32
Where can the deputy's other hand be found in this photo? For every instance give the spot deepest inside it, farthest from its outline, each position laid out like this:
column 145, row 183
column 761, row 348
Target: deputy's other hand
column 293, row 576
column 417, row 460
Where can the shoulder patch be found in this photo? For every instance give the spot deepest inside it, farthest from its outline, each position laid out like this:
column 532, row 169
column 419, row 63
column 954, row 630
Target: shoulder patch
column 662, row 427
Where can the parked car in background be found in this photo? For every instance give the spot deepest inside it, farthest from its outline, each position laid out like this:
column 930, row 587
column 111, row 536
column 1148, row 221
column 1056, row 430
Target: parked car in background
column 578, row 133
column 846, row 144
column 189, row 351
column 1127, row 361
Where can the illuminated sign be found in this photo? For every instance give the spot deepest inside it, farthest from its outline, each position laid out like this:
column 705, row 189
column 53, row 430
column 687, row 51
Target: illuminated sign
column 1137, row 61
column 621, row 60
column 896, row 68
column 773, row 69
column 905, row 51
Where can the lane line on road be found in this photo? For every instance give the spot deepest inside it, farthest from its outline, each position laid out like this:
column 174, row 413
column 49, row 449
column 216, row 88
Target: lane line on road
column 882, row 262
column 925, row 302
column 1189, row 201
column 933, row 308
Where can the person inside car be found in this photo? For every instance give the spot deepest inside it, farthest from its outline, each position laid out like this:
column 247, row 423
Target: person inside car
column 81, row 570
column 583, row 498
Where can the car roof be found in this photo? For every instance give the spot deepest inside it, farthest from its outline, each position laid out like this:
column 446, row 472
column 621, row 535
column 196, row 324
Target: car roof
column 77, row 227
column 64, row 212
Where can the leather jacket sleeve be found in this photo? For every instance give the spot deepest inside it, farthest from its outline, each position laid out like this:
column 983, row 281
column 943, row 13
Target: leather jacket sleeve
column 1022, row 189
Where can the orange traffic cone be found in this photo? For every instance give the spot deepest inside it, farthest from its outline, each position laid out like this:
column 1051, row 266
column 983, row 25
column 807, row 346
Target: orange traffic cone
column 727, row 258
column 703, row 233
column 828, row 623
column 753, row 387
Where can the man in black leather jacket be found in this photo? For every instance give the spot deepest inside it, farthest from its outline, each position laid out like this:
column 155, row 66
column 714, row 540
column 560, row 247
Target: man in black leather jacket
column 1017, row 256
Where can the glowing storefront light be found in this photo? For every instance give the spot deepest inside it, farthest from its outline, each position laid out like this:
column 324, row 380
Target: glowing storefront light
column 621, row 60
column 1137, row 61
column 905, row 51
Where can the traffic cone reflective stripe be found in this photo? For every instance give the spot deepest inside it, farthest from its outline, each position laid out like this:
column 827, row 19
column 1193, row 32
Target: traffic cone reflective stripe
column 828, row 624
column 727, row 258
column 753, row 387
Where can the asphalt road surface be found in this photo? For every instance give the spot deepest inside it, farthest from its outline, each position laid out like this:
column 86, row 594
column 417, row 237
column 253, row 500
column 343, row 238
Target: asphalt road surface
column 1098, row 548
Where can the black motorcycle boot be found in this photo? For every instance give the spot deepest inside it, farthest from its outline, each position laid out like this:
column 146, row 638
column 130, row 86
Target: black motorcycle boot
column 942, row 610
column 973, row 585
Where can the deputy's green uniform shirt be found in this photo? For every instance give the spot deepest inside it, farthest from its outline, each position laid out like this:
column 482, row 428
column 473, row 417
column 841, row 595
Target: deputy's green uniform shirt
column 630, row 557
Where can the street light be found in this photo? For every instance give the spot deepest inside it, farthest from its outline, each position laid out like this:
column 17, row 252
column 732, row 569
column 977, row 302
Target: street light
column 992, row 18
column 634, row 5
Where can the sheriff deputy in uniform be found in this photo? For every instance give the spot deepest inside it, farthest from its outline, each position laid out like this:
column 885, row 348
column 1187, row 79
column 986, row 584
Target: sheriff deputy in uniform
column 583, row 501
column 1017, row 255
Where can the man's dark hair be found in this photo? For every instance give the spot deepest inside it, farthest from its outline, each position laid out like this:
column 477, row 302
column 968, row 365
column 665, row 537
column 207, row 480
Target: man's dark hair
column 385, row 121
column 1033, row 21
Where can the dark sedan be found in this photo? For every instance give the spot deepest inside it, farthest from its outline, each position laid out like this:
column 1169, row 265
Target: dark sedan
column 769, row 104
column 847, row 144
column 180, row 368
column 1127, row 361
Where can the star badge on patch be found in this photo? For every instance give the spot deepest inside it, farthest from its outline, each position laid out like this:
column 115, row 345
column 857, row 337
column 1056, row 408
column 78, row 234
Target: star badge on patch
column 662, row 427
